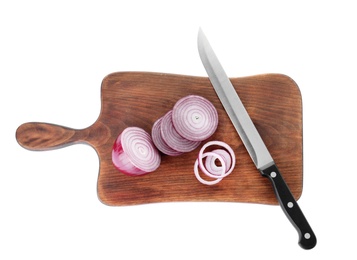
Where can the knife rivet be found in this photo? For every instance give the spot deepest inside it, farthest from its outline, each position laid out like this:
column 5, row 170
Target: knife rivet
column 290, row 204
column 273, row 174
column 307, row 235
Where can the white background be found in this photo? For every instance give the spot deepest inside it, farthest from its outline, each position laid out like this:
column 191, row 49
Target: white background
column 53, row 57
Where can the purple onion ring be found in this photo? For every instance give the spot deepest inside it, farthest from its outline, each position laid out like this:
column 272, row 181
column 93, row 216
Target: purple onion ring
column 218, row 178
column 225, row 146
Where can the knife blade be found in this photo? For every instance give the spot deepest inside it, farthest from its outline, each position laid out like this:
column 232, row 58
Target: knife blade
column 253, row 141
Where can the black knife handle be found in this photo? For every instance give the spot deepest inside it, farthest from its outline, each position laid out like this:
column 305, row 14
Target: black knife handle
column 307, row 238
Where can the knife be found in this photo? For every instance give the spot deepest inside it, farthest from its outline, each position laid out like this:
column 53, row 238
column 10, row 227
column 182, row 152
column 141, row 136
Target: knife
column 253, row 141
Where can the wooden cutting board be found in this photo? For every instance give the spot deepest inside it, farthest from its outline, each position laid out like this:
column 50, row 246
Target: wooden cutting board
column 139, row 98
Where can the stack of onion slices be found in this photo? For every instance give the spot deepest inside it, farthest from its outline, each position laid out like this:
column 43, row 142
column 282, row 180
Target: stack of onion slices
column 181, row 130
column 210, row 167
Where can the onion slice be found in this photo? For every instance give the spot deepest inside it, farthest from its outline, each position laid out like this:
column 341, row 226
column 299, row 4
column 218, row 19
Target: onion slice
column 211, row 165
column 219, row 177
column 134, row 153
column 195, row 118
column 225, row 146
column 159, row 142
column 173, row 139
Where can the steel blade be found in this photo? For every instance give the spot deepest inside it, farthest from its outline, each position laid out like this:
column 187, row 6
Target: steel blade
column 233, row 105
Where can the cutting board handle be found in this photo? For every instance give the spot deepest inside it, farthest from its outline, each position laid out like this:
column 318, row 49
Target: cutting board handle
column 44, row 136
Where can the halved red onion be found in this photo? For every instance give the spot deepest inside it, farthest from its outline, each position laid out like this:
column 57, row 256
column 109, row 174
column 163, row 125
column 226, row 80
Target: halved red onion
column 217, row 177
column 159, row 141
column 211, row 162
column 134, row 152
column 173, row 139
column 226, row 147
column 195, row 118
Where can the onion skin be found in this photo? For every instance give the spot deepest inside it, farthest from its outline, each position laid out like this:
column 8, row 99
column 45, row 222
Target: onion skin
column 134, row 153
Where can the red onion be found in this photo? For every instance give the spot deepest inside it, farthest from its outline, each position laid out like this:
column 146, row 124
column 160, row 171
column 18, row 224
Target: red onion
column 173, row 139
column 159, row 141
column 134, row 153
column 195, row 118
column 218, row 177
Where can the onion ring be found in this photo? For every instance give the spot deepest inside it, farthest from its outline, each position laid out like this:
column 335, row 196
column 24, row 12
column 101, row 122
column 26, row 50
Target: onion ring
column 210, row 162
column 218, row 178
column 222, row 144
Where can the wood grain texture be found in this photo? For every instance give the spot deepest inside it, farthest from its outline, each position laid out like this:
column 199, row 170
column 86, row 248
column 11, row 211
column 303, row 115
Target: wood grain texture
column 140, row 98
